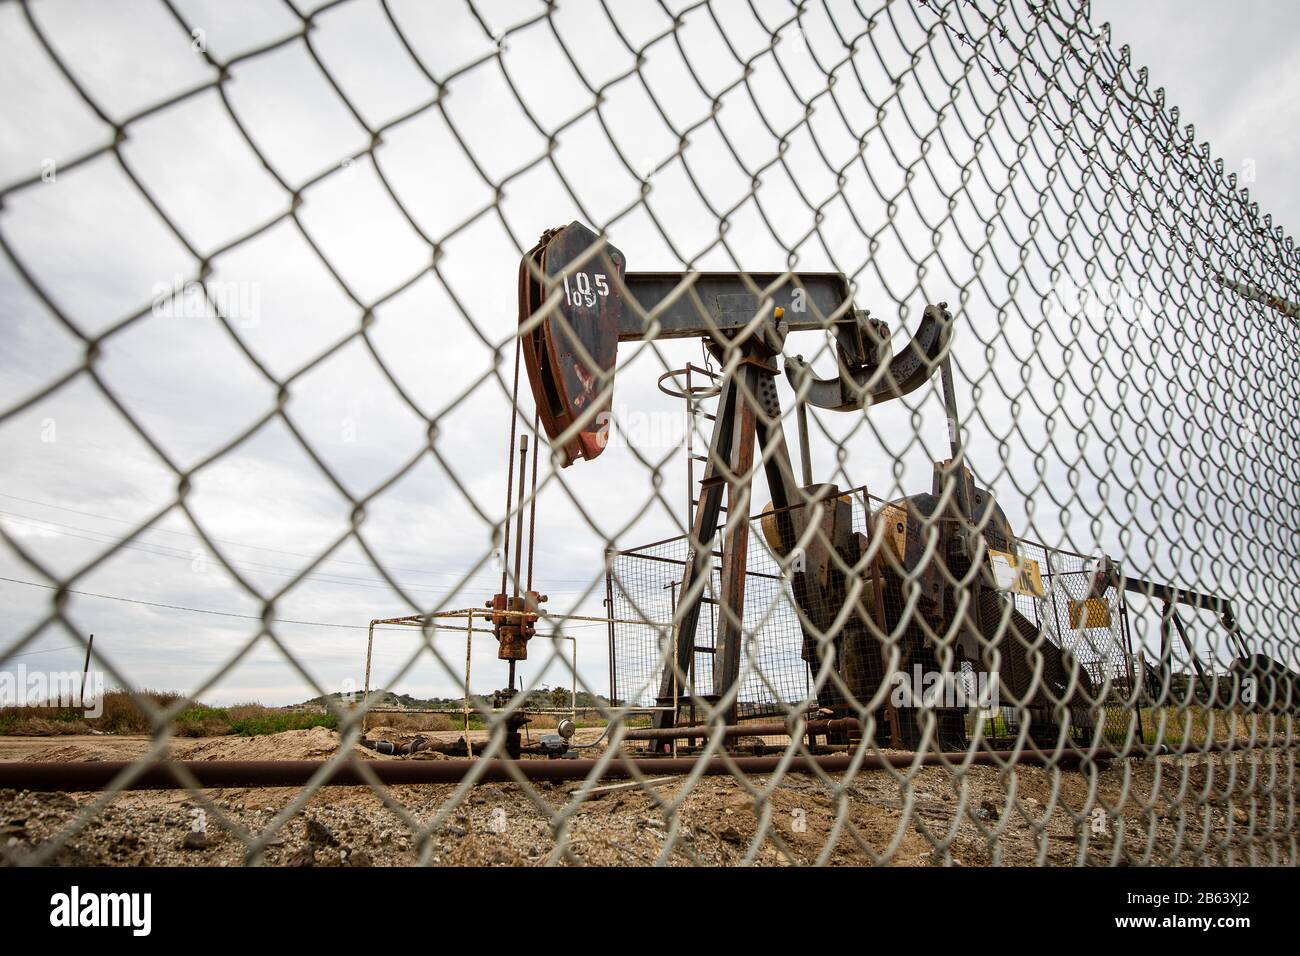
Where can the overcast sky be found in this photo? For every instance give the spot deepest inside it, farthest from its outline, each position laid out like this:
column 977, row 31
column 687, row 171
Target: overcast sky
column 272, row 492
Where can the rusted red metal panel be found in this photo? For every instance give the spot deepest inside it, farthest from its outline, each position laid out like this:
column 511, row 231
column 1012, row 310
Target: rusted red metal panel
column 570, row 355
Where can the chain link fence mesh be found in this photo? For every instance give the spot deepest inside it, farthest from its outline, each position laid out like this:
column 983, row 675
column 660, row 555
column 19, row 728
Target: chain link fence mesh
column 235, row 239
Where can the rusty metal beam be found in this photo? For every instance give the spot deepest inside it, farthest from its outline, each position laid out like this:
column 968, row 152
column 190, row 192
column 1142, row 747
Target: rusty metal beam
column 724, row 303
column 735, row 550
column 703, row 532
column 88, row 776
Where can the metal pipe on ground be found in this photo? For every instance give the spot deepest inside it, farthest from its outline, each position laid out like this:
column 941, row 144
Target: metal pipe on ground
column 849, row 725
column 77, row 776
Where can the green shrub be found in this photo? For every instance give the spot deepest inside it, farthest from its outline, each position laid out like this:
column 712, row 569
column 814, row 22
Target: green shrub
column 122, row 715
column 275, row 722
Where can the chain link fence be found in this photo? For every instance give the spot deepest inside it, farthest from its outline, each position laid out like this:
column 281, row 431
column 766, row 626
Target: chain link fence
column 1024, row 592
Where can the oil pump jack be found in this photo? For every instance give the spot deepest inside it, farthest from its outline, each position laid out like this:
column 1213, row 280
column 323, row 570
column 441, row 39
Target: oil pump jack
column 577, row 302
column 1253, row 682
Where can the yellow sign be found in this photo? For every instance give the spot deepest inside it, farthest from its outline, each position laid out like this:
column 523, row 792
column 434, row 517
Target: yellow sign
column 1018, row 575
column 1088, row 613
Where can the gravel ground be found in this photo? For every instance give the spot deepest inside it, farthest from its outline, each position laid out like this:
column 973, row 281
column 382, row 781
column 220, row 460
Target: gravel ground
column 929, row 820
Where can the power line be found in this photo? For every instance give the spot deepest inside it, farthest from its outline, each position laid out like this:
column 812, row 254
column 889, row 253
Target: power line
column 163, row 551
column 200, row 610
column 437, row 572
column 46, row 650
column 180, row 607
column 254, row 567
column 190, row 534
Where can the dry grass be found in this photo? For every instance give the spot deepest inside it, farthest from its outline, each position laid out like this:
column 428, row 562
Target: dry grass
column 41, row 727
column 120, row 714
column 415, row 721
column 1193, row 725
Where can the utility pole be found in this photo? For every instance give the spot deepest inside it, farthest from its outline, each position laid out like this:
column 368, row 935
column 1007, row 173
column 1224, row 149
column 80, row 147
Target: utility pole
column 85, row 669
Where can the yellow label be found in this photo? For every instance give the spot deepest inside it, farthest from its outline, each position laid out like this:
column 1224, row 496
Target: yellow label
column 1031, row 579
column 1088, row 613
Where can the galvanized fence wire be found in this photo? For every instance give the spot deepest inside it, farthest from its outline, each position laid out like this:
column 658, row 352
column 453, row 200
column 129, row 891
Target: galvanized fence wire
column 1124, row 363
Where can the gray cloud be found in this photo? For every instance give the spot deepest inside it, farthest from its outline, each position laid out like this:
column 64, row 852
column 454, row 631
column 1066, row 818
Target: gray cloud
column 299, row 279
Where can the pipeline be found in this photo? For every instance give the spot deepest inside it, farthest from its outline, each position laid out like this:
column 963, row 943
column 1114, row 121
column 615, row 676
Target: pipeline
column 79, row 776
column 390, row 748
column 847, row 725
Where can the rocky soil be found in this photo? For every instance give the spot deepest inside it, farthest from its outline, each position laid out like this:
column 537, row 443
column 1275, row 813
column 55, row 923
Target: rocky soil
column 1177, row 810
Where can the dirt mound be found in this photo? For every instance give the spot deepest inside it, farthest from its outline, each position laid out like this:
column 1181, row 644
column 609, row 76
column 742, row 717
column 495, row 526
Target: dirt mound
column 316, row 743
column 67, row 752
